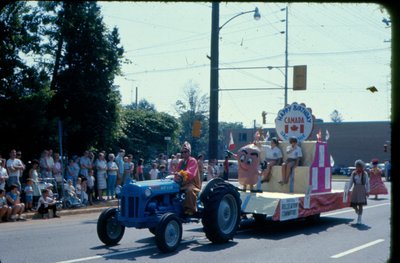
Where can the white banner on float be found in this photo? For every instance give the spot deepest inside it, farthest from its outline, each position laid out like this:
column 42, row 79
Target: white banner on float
column 289, row 209
column 321, row 156
column 314, row 178
column 328, row 178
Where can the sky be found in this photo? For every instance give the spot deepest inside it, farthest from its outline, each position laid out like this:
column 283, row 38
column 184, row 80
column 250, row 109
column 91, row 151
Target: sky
column 346, row 48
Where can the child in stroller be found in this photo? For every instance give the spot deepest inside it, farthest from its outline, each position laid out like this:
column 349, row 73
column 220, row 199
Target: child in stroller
column 70, row 197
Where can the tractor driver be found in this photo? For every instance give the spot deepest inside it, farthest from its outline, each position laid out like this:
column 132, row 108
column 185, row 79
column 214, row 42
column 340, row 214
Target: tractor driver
column 187, row 173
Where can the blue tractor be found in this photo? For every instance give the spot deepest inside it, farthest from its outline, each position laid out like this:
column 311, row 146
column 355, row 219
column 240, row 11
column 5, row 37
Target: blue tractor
column 157, row 206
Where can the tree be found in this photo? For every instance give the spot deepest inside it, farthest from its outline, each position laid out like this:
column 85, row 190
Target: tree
column 142, row 105
column 86, row 100
column 336, row 116
column 230, row 126
column 193, row 107
column 24, row 87
column 144, row 132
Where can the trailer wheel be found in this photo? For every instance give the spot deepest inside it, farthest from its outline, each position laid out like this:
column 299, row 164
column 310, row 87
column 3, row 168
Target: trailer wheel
column 221, row 216
column 109, row 230
column 168, row 233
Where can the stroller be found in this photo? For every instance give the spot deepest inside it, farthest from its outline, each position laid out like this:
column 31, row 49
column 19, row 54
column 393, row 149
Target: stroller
column 70, row 199
column 46, row 182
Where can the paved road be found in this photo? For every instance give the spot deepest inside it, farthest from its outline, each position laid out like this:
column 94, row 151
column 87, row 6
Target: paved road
column 334, row 239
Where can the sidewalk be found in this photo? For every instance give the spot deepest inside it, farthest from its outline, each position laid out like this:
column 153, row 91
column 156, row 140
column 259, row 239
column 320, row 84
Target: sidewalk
column 97, row 207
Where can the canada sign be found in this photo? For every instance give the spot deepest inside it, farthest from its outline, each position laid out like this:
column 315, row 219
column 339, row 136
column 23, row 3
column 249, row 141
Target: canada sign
column 295, row 120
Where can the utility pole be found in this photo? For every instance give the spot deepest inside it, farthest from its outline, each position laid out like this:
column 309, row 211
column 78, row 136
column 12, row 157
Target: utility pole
column 286, row 59
column 137, row 106
column 214, row 86
column 214, row 75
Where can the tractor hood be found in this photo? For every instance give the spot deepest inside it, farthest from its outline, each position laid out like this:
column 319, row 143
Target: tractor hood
column 150, row 188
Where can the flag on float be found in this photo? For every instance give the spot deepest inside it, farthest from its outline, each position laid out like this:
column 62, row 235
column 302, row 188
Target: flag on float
column 267, row 136
column 326, row 135
column 231, row 143
column 319, row 135
column 332, row 161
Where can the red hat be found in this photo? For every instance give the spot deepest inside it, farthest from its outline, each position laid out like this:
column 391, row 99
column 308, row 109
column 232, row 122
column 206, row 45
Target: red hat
column 375, row 161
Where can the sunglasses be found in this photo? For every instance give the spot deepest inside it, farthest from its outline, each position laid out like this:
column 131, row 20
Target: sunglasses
column 184, row 151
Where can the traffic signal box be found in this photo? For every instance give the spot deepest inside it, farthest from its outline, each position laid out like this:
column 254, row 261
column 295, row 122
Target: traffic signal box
column 196, row 129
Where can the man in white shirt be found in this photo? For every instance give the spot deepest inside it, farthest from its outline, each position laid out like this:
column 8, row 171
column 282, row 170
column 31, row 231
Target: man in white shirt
column 45, row 203
column 15, row 168
column 273, row 157
column 294, row 154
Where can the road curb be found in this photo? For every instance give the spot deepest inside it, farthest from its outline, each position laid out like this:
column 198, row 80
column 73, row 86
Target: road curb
column 96, row 208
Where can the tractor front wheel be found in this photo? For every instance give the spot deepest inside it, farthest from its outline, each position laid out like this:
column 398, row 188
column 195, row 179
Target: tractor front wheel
column 168, row 233
column 109, row 230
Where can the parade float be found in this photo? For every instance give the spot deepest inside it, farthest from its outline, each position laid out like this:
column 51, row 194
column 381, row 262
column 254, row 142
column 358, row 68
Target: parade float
column 309, row 191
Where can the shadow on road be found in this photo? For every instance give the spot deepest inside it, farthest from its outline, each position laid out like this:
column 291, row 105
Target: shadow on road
column 89, row 222
column 360, row 227
column 147, row 251
column 280, row 230
column 268, row 230
column 210, row 247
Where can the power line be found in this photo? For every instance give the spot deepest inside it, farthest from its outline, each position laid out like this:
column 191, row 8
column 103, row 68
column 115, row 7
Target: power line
column 327, row 53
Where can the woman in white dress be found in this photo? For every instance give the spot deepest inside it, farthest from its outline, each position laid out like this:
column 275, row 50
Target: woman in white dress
column 101, row 167
column 34, row 175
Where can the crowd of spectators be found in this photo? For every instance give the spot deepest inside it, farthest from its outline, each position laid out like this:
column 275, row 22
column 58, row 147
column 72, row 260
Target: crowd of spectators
column 92, row 177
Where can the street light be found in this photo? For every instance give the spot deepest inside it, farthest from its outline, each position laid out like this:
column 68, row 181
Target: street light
column 214, row 76
column 256, row 16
